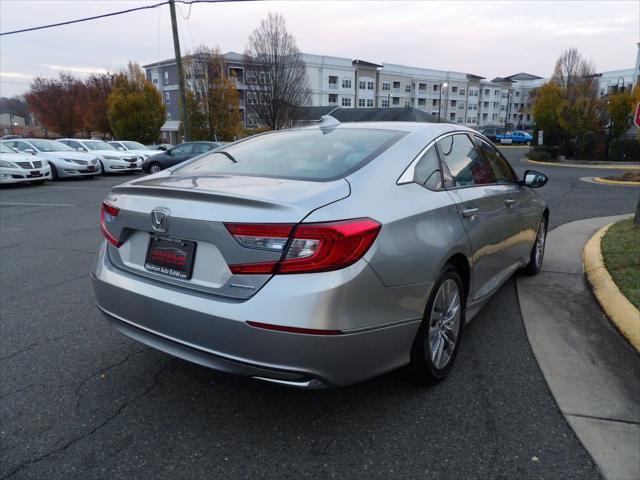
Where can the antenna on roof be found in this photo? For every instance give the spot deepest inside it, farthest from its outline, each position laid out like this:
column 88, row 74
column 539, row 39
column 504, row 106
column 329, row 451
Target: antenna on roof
column 328, row 122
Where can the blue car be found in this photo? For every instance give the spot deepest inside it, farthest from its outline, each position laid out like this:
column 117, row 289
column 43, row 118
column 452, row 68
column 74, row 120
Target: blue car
column 518, row 137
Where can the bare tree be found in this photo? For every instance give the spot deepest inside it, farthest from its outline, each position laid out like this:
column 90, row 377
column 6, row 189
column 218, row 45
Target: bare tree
column 277, row 84
column 213, row 101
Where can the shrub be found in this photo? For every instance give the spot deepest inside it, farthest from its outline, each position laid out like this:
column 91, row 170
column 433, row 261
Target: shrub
column 624, row 150
column 542, row 153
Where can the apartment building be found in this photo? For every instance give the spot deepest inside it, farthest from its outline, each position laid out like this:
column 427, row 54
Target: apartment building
column 455, row 97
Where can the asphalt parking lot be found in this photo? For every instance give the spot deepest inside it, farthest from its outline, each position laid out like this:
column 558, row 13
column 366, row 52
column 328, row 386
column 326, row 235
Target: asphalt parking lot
column 79, row 400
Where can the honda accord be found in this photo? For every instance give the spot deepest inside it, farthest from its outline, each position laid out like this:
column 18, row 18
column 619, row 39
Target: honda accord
column 320, row 256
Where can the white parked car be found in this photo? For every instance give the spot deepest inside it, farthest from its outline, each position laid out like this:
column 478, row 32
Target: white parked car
column 136, row 148
column 111, row 159
column 63, row 160
column 18, row 167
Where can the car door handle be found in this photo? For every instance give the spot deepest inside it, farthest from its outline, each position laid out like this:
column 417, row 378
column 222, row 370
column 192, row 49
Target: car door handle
column 469, row 212
column 509, row 202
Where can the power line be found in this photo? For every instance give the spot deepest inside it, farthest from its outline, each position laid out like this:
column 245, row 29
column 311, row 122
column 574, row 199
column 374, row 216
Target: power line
column 112, row 14
column 86, row 19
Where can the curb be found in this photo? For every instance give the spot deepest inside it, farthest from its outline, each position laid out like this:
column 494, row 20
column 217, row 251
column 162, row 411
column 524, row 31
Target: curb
column 622, row 313
column 604, row 166
column 615, row 182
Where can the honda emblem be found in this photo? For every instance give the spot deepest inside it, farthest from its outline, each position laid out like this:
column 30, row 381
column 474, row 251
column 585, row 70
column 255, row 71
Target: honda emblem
column 159, row 217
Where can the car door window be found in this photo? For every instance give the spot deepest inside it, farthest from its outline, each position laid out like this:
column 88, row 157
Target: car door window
column 499, row 165
column 201, row 148
column 181, row 149
column 463, row 161
column 427, row 171
column 73, row 144
column 21, row 146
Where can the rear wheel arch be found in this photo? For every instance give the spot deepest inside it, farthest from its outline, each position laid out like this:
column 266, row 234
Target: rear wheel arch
column 461, row 264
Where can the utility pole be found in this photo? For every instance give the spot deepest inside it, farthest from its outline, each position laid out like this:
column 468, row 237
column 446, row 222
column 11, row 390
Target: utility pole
column 184, row 114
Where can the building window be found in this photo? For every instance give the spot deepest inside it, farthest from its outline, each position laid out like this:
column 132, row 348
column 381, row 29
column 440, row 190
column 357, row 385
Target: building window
column 462, row 91
column 346, row 102
column 346, row 83
column 528, row 118
column 166, row 77
column 485, row 116
column 495, row 104
column 517, row 94
column 361, row 102
column 452, row 116
column 497, row 92
column 251, row 98
column 435, row 87
column 422, row 87
column 251, row 77
column 487, row 91
column 395, row 101
column 168, row 116
column 369, row 102
column 167, row 97
column 422, row 102
column 454, row 89
column 369, row 85
column 396, row 85
column 407, row 103
column 386, row 86
column 434, row 102
column 407, row 88
column 453, row 103
column 333, row 80
column 362, row 85
column 461, row 106
column 155, row 80
column 385, row 103
column 485, row 104
column 333, row 98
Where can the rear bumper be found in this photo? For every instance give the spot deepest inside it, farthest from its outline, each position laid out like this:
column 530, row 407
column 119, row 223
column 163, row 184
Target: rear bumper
column 213, row 332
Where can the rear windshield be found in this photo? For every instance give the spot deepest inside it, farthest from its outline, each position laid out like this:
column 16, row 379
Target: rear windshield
column 310, row 154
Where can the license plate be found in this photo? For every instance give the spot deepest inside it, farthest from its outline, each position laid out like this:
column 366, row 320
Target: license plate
column 35, row 173
column 133, row 165
column 170, row 256
column 91, row 168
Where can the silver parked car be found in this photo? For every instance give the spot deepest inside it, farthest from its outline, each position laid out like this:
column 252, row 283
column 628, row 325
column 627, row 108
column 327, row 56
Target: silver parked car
column 319, row 256
column 64, row 161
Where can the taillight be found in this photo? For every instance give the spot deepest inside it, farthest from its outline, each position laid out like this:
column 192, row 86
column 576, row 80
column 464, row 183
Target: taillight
column 108, row 215
column 312, row 247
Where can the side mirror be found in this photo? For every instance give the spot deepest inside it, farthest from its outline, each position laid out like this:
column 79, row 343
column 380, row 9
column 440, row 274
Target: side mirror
column 29, row 150
column 81, row 149
column 534, row 179
column 121, row 149
column 168, row 151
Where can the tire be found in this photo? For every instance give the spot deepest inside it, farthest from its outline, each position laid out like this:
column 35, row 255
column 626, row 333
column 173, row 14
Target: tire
column 528, row 144
column 155, row 167
column 537, row 251
column 427, row 365
column 54, row 172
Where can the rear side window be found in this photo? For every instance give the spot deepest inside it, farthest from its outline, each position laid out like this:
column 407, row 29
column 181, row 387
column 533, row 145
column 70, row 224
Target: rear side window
column 201, row 148
column 499, row 165
column 465, row 164
column 427, row 172
column 309, row 154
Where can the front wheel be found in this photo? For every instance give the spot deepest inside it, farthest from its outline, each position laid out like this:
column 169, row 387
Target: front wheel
column 155, row 168
column 436, row 344
column 537, row 251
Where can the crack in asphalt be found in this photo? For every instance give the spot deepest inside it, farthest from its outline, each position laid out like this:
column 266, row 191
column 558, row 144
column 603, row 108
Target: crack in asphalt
column 104, row 423
column 83, row 382
column 32, row 346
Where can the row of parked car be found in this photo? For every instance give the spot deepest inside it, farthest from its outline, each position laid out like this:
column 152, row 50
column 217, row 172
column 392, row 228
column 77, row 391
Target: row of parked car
column 38, row 160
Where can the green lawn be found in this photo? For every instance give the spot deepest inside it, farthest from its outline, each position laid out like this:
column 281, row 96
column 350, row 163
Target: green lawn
column 621, row 252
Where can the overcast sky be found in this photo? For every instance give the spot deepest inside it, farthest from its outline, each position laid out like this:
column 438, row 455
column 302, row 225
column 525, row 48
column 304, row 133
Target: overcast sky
column 485, row 38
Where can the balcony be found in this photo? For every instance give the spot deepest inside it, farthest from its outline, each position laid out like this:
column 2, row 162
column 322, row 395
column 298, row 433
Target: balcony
column 333, row 86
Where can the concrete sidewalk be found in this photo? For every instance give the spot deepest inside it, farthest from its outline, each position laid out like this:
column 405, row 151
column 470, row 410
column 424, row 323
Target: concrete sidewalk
column 593, row 374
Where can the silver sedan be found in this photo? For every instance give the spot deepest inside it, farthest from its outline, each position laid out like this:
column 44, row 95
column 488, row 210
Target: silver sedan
column 320, row 256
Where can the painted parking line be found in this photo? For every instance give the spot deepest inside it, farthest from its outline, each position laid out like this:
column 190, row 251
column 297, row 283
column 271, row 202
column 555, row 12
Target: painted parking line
column 18, row 204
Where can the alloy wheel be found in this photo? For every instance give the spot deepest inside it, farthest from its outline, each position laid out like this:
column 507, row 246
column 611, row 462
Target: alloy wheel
column 155, row 168
column 444, row 324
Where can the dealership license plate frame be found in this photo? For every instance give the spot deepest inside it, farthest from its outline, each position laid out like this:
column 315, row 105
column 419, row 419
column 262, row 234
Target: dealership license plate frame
column 182, row 270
